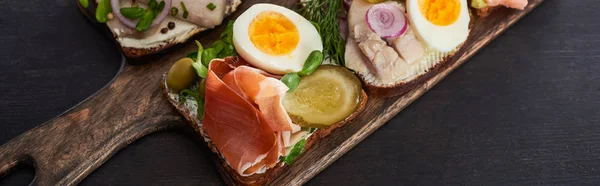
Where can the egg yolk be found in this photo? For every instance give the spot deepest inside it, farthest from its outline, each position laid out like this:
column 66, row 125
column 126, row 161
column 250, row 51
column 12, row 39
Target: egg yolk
column 273, row 33
column 440, row 12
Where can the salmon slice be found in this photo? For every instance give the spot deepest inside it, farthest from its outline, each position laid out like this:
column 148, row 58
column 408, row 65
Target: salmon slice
column 235, row 126
column 518, row 4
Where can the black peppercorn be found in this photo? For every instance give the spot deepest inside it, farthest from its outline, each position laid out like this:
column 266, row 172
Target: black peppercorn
column 171, row 25
column 164, row 30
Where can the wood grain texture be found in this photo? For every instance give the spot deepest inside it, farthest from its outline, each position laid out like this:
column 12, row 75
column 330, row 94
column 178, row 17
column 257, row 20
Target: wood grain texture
column 66, row 149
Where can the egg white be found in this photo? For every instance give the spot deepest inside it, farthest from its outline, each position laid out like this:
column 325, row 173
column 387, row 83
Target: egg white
column 309, row 40
column 440, row 38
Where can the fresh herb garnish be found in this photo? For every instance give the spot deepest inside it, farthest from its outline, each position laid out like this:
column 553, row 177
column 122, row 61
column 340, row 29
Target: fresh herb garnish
column 316, row 25
column 153, row 4
column 145, row 21
column 200, row 68
column 291, row 80
column 84, row 3
column 161, row 6
column 228, row 50
column 146, row 16
column 211, row 6
column 312, row 130
column 102, row 11
column 218, row 46
column 132, row 12
column 199, row 100
column 219, row 49
column 200, row 50
column 328, row 22
column 193, row 55
column 296, row 150
column 185, row 12
column 174, row 11
column 227, row 35
column 208, row 54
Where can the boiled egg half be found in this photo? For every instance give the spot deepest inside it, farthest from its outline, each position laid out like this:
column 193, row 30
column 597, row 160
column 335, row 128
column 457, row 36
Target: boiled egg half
column 274, row 38
column 442, row 24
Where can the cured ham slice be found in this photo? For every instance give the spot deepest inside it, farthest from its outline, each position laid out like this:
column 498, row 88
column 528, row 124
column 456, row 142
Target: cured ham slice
column 244, row 116
column 267, row 93
column 235, row 126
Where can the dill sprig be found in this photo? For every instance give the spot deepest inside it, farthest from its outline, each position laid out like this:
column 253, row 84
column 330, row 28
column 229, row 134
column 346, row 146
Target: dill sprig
column 326, row 13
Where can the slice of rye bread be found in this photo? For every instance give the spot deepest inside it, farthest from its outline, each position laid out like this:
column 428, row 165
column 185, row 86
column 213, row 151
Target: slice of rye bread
column 139, row 52
column 270, row 174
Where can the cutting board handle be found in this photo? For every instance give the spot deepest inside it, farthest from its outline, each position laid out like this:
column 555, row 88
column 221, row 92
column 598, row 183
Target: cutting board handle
column 66, row 149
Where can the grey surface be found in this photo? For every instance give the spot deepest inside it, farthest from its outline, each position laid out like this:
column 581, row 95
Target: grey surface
column 524, row 111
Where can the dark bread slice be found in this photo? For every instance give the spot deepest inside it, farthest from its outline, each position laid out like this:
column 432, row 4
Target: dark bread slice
column 270, row 174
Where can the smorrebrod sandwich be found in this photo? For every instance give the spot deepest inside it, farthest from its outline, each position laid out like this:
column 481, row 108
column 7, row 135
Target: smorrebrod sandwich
column 144, row 27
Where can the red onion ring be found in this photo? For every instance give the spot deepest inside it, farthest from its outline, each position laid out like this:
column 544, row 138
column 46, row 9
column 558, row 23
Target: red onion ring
column 386, row 20
column 116, row 7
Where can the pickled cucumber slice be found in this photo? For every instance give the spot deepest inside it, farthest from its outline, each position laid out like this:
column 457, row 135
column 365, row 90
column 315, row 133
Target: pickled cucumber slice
column 328, row 96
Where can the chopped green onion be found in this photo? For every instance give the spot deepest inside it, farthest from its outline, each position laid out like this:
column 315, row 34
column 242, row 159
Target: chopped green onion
column 153, row 4
column 174, row 11
column 102, row 11
column 185, row 12
column 161, row 6
column 132, row 12
column 211, row 6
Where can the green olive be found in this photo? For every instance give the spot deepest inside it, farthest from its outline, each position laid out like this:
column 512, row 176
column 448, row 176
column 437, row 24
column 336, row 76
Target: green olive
column 181, row 75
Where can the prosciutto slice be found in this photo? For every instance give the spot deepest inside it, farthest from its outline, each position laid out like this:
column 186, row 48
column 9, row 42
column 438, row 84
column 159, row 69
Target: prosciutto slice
column 235, row 126
column 244, row 116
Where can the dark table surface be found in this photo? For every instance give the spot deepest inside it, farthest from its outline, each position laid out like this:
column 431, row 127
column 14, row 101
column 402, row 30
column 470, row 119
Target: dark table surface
column 525, row 110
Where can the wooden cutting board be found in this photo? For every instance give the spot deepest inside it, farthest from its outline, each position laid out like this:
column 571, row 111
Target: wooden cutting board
column 69, row 147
